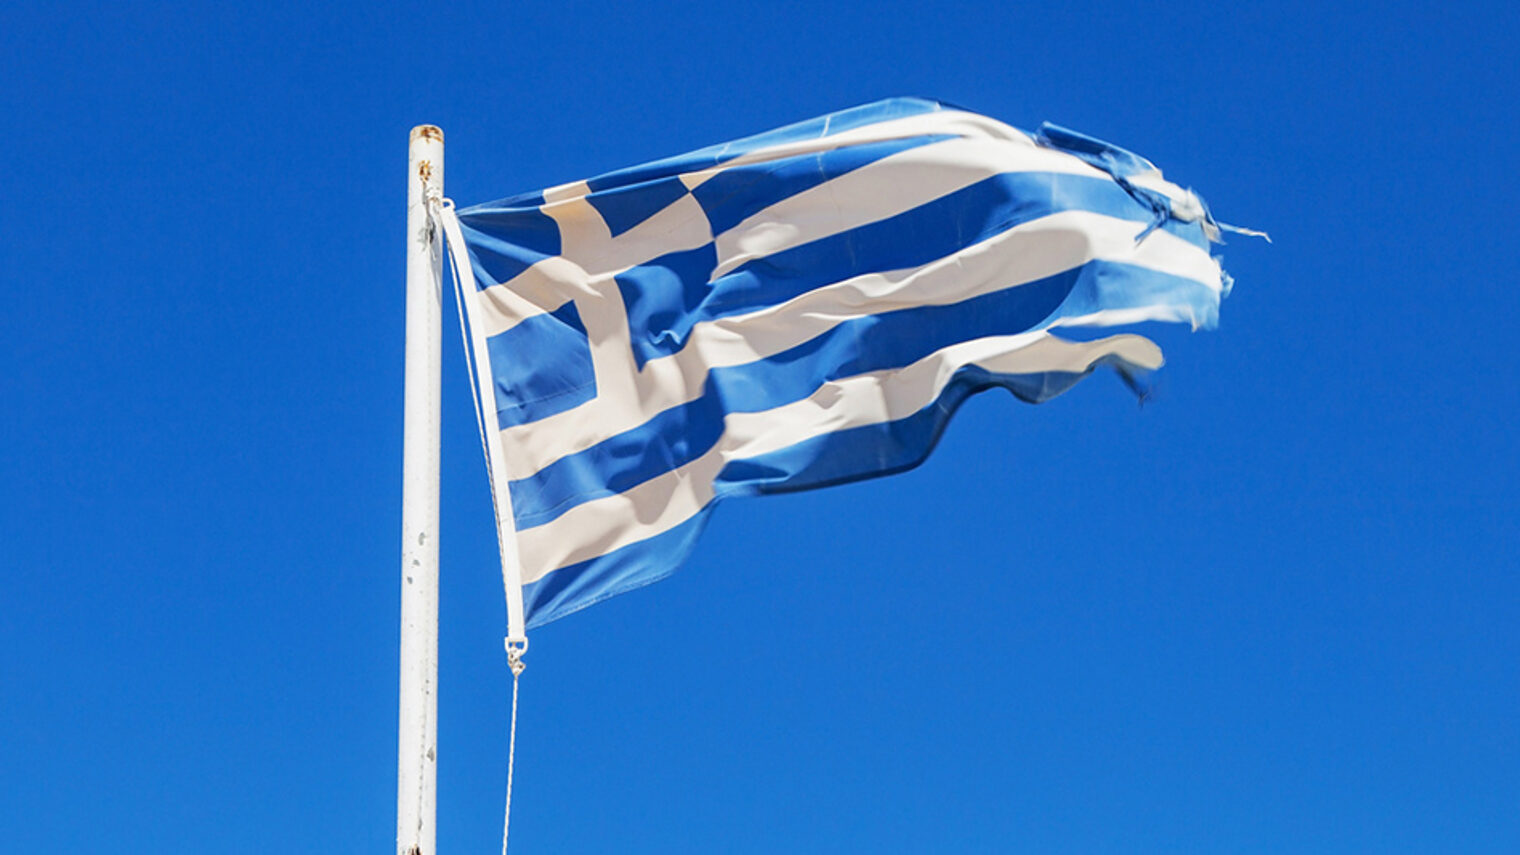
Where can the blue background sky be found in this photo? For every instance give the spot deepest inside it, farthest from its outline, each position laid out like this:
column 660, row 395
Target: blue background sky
column 1274, row 611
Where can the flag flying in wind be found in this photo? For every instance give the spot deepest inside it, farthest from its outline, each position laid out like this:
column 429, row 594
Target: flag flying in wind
column 799, row 308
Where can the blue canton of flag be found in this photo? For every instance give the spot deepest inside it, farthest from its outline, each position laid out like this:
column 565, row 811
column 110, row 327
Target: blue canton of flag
column 795, row 309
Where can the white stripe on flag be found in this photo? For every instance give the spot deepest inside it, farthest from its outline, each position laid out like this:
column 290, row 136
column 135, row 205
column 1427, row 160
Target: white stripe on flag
column 883, row 189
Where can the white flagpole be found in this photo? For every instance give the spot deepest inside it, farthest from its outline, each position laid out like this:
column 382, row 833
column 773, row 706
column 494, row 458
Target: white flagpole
column 417, row 769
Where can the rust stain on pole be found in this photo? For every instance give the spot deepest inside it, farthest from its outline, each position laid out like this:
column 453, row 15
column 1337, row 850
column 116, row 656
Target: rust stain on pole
column 428, row 132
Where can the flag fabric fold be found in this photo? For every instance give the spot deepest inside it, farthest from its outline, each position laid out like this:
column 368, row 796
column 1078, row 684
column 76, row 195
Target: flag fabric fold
column 800, row 308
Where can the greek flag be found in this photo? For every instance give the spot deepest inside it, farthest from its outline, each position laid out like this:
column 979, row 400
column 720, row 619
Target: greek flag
column 799, row 308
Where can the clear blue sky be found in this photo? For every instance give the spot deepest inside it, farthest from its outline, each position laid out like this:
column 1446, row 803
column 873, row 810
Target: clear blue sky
column 1274, row 611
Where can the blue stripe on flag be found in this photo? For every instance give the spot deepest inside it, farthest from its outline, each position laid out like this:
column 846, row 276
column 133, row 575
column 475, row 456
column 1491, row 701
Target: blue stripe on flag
column 1121, row 286
column 534, row 237
column 870, row 451
column 915, row 237
column 622, row 208
column 1116, row 161
column 659, row 295
column 541, row 366
column 734, row 195
column 570, row 589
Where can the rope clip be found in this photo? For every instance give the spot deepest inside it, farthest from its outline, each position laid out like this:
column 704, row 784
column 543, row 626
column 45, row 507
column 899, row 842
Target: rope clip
column 516, row 647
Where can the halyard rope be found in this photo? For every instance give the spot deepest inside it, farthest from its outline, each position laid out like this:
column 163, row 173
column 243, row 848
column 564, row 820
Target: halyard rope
column 516, row 663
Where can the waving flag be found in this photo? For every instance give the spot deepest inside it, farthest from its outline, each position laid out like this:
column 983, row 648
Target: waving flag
column 795, row 309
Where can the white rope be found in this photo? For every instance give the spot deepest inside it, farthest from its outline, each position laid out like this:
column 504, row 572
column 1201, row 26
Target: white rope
column 514, row 659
